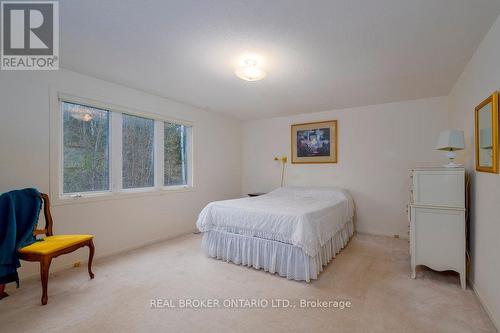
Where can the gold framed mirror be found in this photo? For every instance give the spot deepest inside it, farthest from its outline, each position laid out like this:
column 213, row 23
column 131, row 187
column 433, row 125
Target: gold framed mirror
column 486, row 134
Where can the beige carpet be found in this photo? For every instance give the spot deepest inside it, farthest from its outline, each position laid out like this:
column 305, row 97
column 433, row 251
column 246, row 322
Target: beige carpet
column 372, row 272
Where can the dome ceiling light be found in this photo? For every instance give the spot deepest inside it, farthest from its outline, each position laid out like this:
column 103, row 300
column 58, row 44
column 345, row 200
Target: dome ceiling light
column 249, row 70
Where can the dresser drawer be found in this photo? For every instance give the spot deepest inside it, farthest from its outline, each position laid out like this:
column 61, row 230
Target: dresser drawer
column 438, row 188
column 437, row 238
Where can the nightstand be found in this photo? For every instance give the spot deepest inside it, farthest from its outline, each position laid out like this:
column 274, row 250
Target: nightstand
column 256, row 194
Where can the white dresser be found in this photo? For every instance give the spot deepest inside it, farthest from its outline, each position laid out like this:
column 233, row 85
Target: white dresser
column 437, row 220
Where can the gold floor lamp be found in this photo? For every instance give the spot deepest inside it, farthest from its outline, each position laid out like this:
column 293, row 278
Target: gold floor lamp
column 283, row 161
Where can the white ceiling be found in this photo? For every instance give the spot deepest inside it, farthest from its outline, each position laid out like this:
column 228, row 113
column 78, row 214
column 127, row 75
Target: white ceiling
column 320, row 54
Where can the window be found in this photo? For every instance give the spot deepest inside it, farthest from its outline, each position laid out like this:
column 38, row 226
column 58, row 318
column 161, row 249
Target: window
column 85, row 148
column 106, row 151
column 175, row 154
column 137, row 152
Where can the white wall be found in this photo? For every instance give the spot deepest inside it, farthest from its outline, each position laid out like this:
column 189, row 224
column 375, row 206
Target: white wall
column 117, row 224
column 480, row 78
column 378, row 145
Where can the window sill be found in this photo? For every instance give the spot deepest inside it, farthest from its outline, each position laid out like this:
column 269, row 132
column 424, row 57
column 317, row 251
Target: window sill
column 123, row 195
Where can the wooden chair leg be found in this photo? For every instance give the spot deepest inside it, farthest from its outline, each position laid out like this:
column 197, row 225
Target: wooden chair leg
column 91, row 256
column 3, row 294
column 44, row 275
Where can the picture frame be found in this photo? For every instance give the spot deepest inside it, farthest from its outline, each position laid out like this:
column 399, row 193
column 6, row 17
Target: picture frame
column 315, row 142
column 486, row 134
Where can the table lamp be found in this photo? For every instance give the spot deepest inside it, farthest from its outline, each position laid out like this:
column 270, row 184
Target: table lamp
column 451, row 140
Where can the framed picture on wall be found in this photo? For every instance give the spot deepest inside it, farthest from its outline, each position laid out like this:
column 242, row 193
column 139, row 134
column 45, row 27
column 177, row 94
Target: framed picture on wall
column 315, row 142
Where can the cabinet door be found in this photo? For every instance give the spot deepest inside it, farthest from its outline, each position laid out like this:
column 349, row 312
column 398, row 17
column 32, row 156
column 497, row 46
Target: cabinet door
column 439, row 188
column 438, row 238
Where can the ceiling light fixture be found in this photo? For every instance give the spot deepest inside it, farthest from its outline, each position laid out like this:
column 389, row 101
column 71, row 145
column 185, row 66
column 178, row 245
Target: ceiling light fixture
column 250, row 71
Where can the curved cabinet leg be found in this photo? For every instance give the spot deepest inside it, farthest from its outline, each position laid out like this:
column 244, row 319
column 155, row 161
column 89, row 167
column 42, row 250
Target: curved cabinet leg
column 91, row 256
column 413, row 272
column 463, row 281
column 44, row 276
column 3, row 294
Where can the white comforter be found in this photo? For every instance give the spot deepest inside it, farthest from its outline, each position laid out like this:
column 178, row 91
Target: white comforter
column 302, row 216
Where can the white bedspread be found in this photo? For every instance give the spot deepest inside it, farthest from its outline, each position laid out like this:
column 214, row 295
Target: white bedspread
column 302, row 216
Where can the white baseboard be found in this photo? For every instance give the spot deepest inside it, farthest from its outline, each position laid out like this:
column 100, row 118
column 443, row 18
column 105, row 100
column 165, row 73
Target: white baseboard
column 485, row 307
column 381, row 235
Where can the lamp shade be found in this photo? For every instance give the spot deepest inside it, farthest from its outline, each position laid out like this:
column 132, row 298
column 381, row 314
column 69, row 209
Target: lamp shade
column 451, row 140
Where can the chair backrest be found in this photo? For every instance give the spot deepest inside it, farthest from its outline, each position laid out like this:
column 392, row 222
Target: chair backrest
column 48, row 217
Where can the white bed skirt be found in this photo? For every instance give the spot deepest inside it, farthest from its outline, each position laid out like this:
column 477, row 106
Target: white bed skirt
column 272, row 256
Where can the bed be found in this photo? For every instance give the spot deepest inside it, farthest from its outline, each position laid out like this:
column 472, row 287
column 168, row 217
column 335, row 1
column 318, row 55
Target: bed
column 292, row 231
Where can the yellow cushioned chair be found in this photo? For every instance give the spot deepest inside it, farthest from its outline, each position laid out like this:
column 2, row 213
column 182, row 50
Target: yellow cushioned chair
column 53, row 246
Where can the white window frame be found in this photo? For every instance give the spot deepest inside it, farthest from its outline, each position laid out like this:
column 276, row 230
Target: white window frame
column 156, row 166
column 61, row 160
column 189, row 155
column 115, row 152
